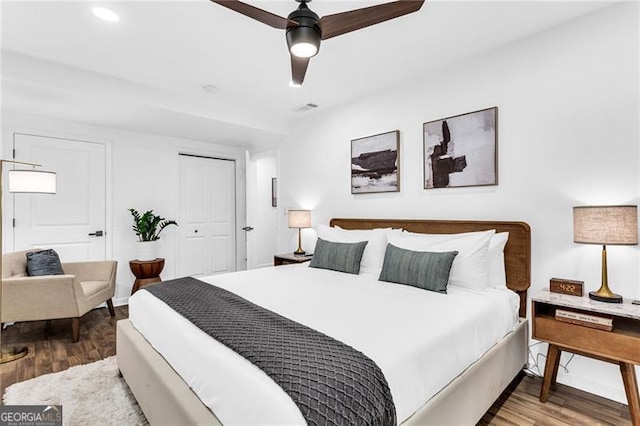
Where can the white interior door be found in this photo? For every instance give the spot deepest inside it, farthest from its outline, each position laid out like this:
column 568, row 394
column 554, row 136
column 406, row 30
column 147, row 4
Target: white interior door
column 262, row 216
column 63, row 221
column 207, row 216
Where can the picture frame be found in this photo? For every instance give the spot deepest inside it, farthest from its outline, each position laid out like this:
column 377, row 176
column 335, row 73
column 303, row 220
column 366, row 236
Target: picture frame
column 461, row 151
column 375, row 163
column 274, row 192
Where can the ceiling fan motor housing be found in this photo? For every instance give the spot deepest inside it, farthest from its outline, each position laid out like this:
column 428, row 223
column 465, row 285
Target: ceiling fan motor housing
column 307, row 32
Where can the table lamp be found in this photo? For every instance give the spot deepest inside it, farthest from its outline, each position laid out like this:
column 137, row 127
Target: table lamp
column 605, row 225
column 299, row 219
column 28, row 181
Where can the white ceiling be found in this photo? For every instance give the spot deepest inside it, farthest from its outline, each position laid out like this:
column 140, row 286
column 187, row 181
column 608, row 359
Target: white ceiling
column 146, row 72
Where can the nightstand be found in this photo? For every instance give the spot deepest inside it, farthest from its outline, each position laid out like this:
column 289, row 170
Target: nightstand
column 619, row 346
column 146, row 272
column 289, row 258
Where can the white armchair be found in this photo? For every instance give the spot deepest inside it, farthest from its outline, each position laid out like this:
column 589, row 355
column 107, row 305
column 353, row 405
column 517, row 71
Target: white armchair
column 83, row 286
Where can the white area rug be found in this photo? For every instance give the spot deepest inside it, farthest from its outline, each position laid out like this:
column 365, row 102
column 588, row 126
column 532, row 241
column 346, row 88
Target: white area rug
column 90, row 394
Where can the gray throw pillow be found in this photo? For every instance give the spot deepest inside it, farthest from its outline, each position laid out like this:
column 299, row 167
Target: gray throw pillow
column 422, row 269
column 341, row 257
column 44, row 262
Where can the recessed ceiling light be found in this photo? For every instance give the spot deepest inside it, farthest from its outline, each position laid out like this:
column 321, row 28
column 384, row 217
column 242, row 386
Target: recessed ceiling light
column 106, row 14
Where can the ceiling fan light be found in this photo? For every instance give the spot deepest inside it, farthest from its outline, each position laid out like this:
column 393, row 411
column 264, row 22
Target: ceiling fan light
column 304, row 50
column 303, row 41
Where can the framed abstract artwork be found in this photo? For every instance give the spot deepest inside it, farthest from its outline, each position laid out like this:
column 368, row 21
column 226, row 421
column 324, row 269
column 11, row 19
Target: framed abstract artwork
column 375, row 165
column 461, row 150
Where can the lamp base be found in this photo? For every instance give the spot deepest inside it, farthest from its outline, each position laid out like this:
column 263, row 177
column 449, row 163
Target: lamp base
column 611, row 298
column 13, row 354
column 299, row 252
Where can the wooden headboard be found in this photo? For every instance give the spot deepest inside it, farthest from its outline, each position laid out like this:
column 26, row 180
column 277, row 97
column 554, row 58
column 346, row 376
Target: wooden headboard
column 517, row 253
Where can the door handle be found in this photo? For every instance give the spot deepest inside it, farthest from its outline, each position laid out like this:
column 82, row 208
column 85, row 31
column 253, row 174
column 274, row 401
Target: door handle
column 96, row 234
column 247, row 228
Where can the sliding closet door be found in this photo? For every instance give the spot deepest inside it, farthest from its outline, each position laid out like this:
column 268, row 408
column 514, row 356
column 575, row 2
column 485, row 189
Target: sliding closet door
column 72, row 221
column 207, row 216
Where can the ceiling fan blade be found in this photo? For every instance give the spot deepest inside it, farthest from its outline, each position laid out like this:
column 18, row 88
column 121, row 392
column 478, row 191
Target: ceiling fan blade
column 253, row 12
column 298, row 69
column 346, row 22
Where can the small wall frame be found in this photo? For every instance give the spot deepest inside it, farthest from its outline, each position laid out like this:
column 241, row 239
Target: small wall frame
column 274, row 192
column 375, row 163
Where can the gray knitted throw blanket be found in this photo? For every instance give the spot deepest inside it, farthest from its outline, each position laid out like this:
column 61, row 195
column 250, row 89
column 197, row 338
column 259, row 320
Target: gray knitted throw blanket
column 330, row 382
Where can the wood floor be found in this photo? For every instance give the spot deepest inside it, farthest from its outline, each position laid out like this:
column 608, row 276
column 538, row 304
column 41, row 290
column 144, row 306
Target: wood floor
column 51, row 350
column 519, row 405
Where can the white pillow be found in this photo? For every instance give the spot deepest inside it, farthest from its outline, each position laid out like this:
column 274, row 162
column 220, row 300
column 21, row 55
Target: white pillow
column 470, row 266
column 373, row 256
column 496, row 268
column 497, row 274
column 445, row 236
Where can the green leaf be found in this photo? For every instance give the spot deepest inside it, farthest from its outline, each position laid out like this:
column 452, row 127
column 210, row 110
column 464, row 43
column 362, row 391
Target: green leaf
column 149, row 225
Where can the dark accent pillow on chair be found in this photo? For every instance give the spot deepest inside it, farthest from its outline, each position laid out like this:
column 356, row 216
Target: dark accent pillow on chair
column 341, row 257
column 44, row 262
column 422, row 269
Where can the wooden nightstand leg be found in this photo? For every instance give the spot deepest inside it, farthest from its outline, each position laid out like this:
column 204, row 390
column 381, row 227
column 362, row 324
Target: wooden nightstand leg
column 550, row 370
column 554, row 376
column 631, row 389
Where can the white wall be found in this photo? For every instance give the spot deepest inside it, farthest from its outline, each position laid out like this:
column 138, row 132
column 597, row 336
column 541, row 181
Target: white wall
column 143, row 171
column 568, row 135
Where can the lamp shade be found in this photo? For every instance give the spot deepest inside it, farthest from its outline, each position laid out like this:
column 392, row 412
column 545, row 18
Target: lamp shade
column 299, row 218
column 32, row 181
column 605, row 225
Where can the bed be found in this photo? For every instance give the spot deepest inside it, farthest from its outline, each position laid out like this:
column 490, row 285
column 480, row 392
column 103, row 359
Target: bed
column 166, row 398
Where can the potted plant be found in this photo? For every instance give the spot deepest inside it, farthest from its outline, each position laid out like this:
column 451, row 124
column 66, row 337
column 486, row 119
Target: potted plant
column 148, row 227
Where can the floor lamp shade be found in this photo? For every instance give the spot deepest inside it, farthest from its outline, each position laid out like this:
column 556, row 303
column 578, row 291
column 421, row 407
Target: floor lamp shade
column 32, row 181
column 605, row 225
column 299, row 219
column 25, row 181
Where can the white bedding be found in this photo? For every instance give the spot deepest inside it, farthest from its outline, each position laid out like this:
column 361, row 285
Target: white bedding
column 421, row 340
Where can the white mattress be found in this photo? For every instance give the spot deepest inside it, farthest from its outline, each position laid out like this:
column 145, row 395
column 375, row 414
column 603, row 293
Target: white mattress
column 421, row 340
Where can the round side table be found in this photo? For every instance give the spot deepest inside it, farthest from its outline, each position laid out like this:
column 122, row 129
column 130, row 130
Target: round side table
column 146, row 272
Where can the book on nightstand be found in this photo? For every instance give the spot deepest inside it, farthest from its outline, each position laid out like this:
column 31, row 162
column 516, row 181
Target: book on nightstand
column 587, row 320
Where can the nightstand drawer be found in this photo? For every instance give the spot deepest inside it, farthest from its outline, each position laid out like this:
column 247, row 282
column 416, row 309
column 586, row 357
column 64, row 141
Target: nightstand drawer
column 620, row 344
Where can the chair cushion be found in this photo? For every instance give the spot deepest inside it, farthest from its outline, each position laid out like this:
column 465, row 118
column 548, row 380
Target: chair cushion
column 92, row 287
column 44, row 262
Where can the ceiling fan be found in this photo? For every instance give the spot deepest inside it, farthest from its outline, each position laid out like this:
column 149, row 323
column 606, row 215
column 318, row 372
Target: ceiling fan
column 305, row 29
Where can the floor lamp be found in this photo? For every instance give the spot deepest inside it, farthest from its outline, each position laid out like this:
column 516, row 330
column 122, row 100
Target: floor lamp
column 28, row 181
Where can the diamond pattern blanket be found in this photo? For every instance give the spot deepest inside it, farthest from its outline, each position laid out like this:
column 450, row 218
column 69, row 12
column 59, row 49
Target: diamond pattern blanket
column 330, row 382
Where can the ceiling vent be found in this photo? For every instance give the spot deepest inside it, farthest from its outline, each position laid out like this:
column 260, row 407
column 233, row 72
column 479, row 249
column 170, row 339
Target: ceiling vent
column 209, row 88
column 305, row 107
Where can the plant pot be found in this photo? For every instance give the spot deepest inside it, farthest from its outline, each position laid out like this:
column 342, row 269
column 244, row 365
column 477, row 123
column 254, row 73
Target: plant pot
column 147, row 250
